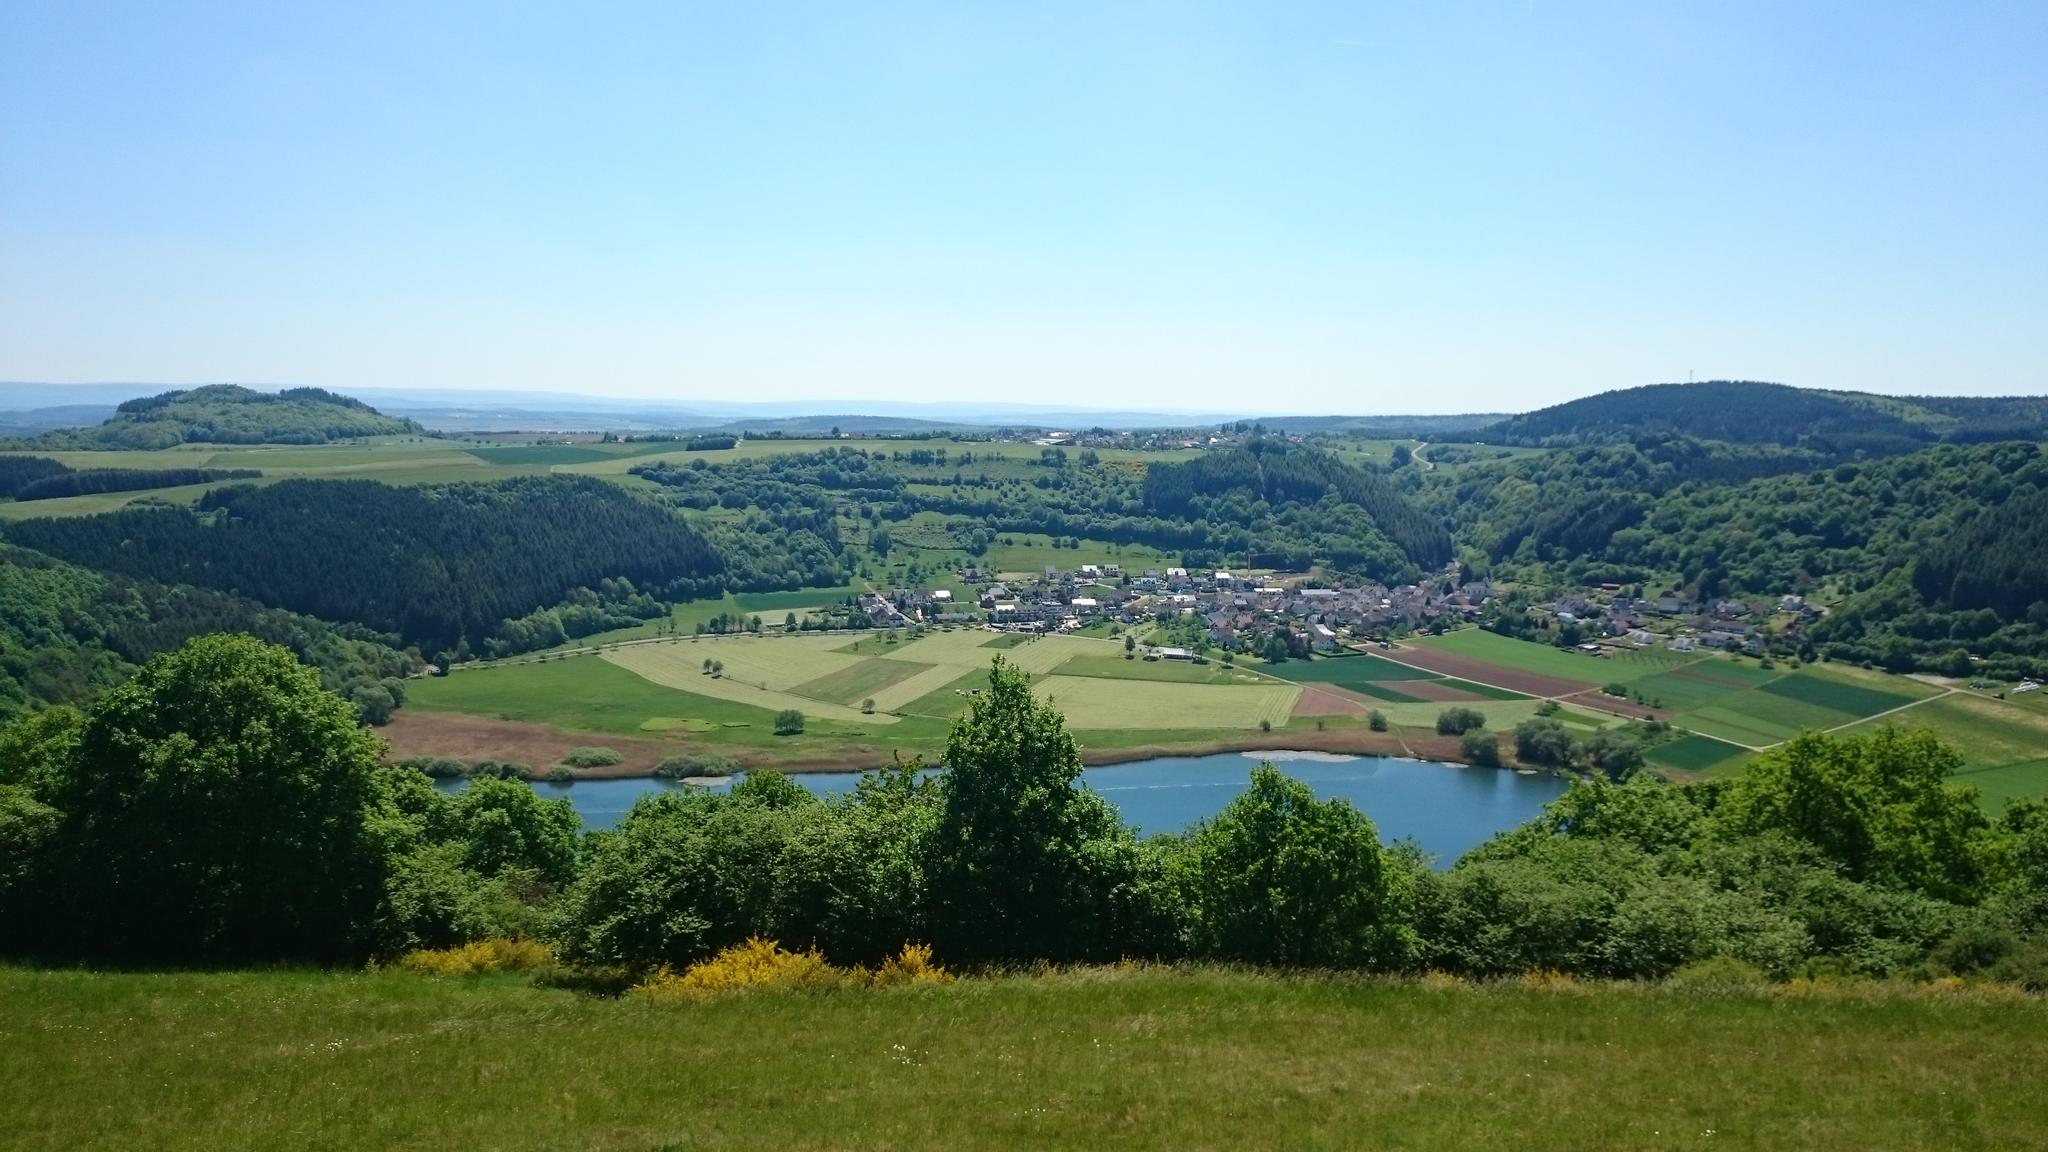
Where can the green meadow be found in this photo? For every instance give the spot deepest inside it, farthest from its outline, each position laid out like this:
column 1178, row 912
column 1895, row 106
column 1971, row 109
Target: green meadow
column 1094, row 1058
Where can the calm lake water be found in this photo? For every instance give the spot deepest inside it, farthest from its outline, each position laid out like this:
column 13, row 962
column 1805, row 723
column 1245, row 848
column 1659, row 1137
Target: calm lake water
column 1446, row 808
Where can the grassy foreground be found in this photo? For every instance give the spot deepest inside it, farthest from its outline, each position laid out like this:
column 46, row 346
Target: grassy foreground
column 1166, row 1059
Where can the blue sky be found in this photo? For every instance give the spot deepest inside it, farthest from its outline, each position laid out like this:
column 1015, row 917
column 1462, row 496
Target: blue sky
column 1358, row 207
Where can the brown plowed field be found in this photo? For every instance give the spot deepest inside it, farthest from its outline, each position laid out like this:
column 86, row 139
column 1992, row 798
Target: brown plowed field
column 1466, row 668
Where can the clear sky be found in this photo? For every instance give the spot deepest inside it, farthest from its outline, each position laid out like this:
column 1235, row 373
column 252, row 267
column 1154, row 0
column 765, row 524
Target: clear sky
column 1361, row 207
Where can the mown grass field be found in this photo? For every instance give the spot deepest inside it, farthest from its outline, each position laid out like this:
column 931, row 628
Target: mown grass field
column 1168, row 1059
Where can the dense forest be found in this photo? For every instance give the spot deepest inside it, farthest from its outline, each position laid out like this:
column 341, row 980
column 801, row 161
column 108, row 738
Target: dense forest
column 40, row 478
column 1750, row 412
column 1273, row 505
column 436, row 566
column 1308, row 491
column 1936, row 550
column 67, row 634
column 230, row 414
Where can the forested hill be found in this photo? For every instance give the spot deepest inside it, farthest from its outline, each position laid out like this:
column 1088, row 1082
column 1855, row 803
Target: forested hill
column 1223, row 486
column 230, row 414
column 435, row 566
column 1941, row 549
column 66, row 634
column 1749, row 412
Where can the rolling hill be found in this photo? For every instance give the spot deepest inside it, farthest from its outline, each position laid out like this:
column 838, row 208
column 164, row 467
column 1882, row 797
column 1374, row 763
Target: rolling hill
column 1752, row 412
column 229, row 414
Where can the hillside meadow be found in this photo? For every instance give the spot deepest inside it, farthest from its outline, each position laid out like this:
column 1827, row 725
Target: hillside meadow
column 1163, row 1058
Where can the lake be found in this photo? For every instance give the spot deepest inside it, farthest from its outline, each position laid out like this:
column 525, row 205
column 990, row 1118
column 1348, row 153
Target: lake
column 1448, row 809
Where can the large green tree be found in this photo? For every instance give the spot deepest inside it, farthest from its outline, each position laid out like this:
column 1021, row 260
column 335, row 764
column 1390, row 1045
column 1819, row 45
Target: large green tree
column 1879, row 804
column 1026, row 864
column 1282, row 878
column 219, row 808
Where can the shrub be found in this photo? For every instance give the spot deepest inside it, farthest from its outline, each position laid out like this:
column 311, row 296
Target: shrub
column 1458, row 721
column 1543, row 741
column 789, row 722
column 1719, row 973
column 756, row 963
column 867, row 706
column 1265, row 725
column 494, row 770
column 437, row 767
column 478, row 957
column 694, row 765
column 1615, row 688
column 560, row 774
column 1481, row 748
column 1376, row 720
column 913, row 965
column 591, row 758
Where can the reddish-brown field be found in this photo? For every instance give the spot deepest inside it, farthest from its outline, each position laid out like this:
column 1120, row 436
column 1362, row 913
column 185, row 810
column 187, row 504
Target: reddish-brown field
column 1466, row 668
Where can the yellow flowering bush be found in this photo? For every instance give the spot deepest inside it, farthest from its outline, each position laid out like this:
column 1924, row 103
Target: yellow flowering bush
column 767, row 964
column 479, row 956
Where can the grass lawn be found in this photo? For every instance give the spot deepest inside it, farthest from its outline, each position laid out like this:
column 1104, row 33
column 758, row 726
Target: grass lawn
column 1167, row 1059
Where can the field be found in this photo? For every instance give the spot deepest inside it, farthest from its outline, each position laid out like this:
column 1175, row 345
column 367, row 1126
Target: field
column 1091, row 703
column 1698, row 755
column 1734, row 706
column 2004, row 745
column 1153, row 1058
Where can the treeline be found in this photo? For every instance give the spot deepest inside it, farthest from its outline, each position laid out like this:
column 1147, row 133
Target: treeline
column 87, row 481
column 275, row 835
column 67, row 634
column 436, row 566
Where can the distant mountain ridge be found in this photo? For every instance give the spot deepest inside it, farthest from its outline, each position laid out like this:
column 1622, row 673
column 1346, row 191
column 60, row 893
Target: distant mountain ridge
column 229, row 414
column 1753, row 412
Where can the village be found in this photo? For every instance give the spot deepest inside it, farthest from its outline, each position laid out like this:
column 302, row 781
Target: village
column 1298, row 614
column 1200, row 609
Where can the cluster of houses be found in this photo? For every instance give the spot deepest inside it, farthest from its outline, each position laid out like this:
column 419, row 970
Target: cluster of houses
column 1236, row 608
column 1683, row 623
